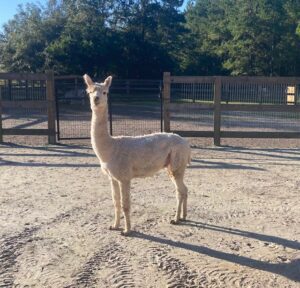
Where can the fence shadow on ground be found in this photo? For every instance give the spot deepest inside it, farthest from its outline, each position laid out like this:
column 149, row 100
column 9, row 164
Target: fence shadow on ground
column 221, row 165
column 283, row 153
column 289, row 270
column 59, row 150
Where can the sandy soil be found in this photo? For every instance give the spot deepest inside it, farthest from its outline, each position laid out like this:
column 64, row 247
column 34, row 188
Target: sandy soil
column 243, row 228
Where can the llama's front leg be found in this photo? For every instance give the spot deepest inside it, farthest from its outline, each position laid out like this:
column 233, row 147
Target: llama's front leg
column 125, row 195
column 115, row 188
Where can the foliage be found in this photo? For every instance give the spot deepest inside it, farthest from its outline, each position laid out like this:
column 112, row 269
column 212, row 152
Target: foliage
column 143, row 38
column 256, row 37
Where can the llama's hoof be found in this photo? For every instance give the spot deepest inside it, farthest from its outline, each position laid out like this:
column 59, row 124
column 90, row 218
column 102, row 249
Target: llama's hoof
column 174, row 222
column 125, row 233
column 183, row 219
column 113, row 228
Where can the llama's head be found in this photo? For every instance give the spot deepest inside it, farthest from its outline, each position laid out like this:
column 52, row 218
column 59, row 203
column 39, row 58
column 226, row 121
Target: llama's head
column 97, row 92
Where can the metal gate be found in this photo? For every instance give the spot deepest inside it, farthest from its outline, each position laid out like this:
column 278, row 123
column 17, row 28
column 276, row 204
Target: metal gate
column 27, row 106
column 135, row 107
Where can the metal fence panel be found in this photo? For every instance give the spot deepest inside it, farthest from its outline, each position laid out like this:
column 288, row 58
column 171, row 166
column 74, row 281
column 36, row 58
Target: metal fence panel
column 135, row 108
column 266, row 93
column 24, row 105
column 232, row 106
column 187, row 106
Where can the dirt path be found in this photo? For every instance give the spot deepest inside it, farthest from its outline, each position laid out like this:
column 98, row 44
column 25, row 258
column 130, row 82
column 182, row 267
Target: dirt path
column 243, row 228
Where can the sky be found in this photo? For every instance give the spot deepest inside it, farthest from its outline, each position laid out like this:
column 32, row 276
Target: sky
column 9, row 8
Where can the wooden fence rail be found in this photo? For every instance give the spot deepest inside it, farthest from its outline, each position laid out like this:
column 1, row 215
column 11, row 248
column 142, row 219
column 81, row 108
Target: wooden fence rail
column 48, row 103
column 218, row 105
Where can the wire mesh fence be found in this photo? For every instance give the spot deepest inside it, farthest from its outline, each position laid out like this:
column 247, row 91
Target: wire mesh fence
column 135, row 107
column 260, row 121
column 246, row 104
column 72, row 108
column 22, row 99
column 262, row 93
column 186, row 106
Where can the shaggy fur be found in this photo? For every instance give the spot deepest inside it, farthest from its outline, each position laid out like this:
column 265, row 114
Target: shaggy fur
column 123, row 158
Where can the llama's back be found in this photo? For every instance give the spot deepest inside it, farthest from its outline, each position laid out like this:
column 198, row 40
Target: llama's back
column 150, row 153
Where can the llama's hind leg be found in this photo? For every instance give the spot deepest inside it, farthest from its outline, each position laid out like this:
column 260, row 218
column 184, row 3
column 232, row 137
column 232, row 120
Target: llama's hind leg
column 125, row 202
column 181, row 195
column 117, row 203
column 184, row 202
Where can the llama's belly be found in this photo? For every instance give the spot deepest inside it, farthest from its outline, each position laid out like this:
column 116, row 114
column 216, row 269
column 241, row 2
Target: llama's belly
column 142, row 171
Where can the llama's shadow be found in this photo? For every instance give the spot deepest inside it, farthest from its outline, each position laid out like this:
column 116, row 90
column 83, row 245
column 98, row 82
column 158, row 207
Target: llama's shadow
column 261, row 237
column 289, row 270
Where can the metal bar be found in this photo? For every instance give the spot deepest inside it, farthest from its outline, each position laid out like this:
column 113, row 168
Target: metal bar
column 260, row 107
column 161, row 107
column 57, row 115
column 259, row 134
column 110, row 114
column 217, row 112
column 22, row 76
column 1, row 130
column 9, row 90
column 26, row 90
column 166, row 101
column 192, row 79
column 194, row 133
column 75, row 138
column 25, row 104
column 67, row 77
column 260, row 79
column 38, row 132
column 50, row 91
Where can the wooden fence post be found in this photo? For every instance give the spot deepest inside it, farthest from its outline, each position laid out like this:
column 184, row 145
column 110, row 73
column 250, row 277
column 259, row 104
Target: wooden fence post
column 50, row 93
column 1, row 132
column 166, row 100
column 217, row 111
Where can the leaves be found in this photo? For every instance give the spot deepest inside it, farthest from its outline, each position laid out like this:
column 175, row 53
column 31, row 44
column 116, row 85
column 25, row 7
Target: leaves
column 144, row 38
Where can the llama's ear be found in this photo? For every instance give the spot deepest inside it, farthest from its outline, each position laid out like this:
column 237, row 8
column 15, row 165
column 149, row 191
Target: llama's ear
column 88, row 81
column 107, row 81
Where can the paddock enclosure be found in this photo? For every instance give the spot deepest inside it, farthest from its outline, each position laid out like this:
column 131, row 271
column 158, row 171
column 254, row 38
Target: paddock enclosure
column 214, row 107
column 243, row 227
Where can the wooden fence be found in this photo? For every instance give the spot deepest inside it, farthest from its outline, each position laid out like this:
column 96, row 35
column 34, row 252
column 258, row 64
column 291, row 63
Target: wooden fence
column 218, row 96
column 284, row 90
column 48, row 103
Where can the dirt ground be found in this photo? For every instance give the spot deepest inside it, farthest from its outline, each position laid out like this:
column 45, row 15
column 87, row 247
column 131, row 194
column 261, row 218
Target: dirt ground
column 243, row 228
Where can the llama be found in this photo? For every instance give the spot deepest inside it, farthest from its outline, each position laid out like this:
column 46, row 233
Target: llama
column 124, row 158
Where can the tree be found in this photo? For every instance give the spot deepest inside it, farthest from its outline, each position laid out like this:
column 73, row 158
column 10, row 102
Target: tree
column 134, row 38
column 254, row 37
column 151, row 32
column 21, row 44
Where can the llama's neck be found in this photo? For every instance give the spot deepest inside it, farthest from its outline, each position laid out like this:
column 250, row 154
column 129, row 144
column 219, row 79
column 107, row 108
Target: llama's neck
column 102, row 142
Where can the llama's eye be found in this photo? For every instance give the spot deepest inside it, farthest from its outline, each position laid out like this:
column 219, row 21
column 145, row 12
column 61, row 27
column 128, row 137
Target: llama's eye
column 104, row 93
